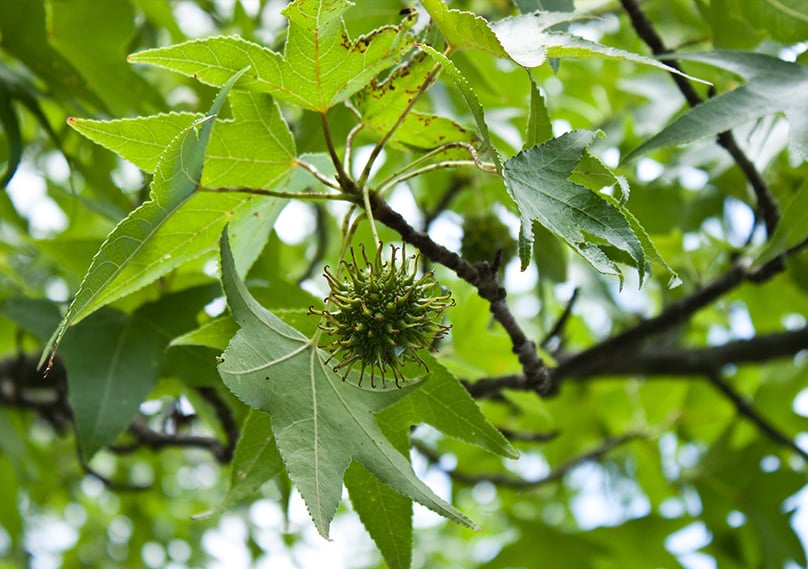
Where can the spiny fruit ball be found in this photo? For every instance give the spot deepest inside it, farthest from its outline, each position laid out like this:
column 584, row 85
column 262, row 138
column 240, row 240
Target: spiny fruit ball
column 484, row 235
column 383, row 314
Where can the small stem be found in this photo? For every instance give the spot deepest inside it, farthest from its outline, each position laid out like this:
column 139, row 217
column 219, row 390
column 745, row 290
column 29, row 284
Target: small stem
column 321, row 234
column 369, row 213
column 430, row 168
column 348, row 230
column 349, row 143
column 558, row 327
column 410, row 170
column 345, row 182
column 288, row 195
column 317, row 174
column 365, row 175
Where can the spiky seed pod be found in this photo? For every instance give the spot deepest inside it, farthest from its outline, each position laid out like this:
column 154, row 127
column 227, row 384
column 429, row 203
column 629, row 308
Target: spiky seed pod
column 484, row 235
column 383, row 313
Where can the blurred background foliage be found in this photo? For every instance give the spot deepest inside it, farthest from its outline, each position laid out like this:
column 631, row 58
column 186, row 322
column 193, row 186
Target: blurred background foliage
column 682, row 479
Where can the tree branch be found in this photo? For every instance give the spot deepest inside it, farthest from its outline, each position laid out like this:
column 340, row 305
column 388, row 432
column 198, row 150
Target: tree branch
column 618, row 346
column 505, row 480
column 747, row 410
column 767, row 204
column 558, row 327
column 22, row 386
column 699, row 361
column 147, row 437
column 482, row 275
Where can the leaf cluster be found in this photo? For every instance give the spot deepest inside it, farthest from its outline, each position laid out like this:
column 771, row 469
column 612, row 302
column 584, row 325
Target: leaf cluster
column 620, row 329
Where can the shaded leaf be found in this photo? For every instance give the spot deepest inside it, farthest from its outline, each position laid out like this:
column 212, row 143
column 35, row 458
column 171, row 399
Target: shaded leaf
column 386, row 514
column 320, row 66
column 23, row 34
column 112, row 364
column 595, row 175
column 443, row 402
column 320, row 422
column 16, row 86
column 98, row 52
column 11, row 130
column 558, row 548
column 255, row 460
column 773, row 86
column 113, row 361
column 792, row 229
column 744, row 23
column 538, row 181
column 526, row 6
column 539, row 127
column 214, row 334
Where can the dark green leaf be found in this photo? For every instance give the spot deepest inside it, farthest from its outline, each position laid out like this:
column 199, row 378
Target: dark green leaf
column 386, row 514
column 256, row 460
column 538, row 181
column 773, row 86
column 99, row 52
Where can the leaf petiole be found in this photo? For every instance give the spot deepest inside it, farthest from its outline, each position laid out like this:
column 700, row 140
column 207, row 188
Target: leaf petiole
column 340, row 196
column 312, row 169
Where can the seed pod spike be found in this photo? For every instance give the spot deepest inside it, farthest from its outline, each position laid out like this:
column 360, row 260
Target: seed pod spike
column 385, row 313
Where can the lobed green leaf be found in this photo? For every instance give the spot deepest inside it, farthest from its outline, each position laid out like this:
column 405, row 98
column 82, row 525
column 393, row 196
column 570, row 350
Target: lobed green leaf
column 320, row 67
column 112, row 273
column 538, row 180
column 773, row 86
column 381, row 105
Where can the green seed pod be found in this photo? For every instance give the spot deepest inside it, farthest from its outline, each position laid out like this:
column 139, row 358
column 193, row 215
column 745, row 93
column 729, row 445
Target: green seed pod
column 484, row 235
column 383, row 313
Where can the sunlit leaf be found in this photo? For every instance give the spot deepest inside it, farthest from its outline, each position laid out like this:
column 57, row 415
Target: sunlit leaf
column 185, row 221
column 773, row 86
column 228, row 162
column 319, row 68
column 99, row 52
column 382, row 103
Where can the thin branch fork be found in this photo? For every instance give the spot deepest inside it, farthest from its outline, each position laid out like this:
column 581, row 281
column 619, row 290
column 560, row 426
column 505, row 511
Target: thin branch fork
column 147, row 437
column 745, row 409
column 589, row 361
column 21, row 386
